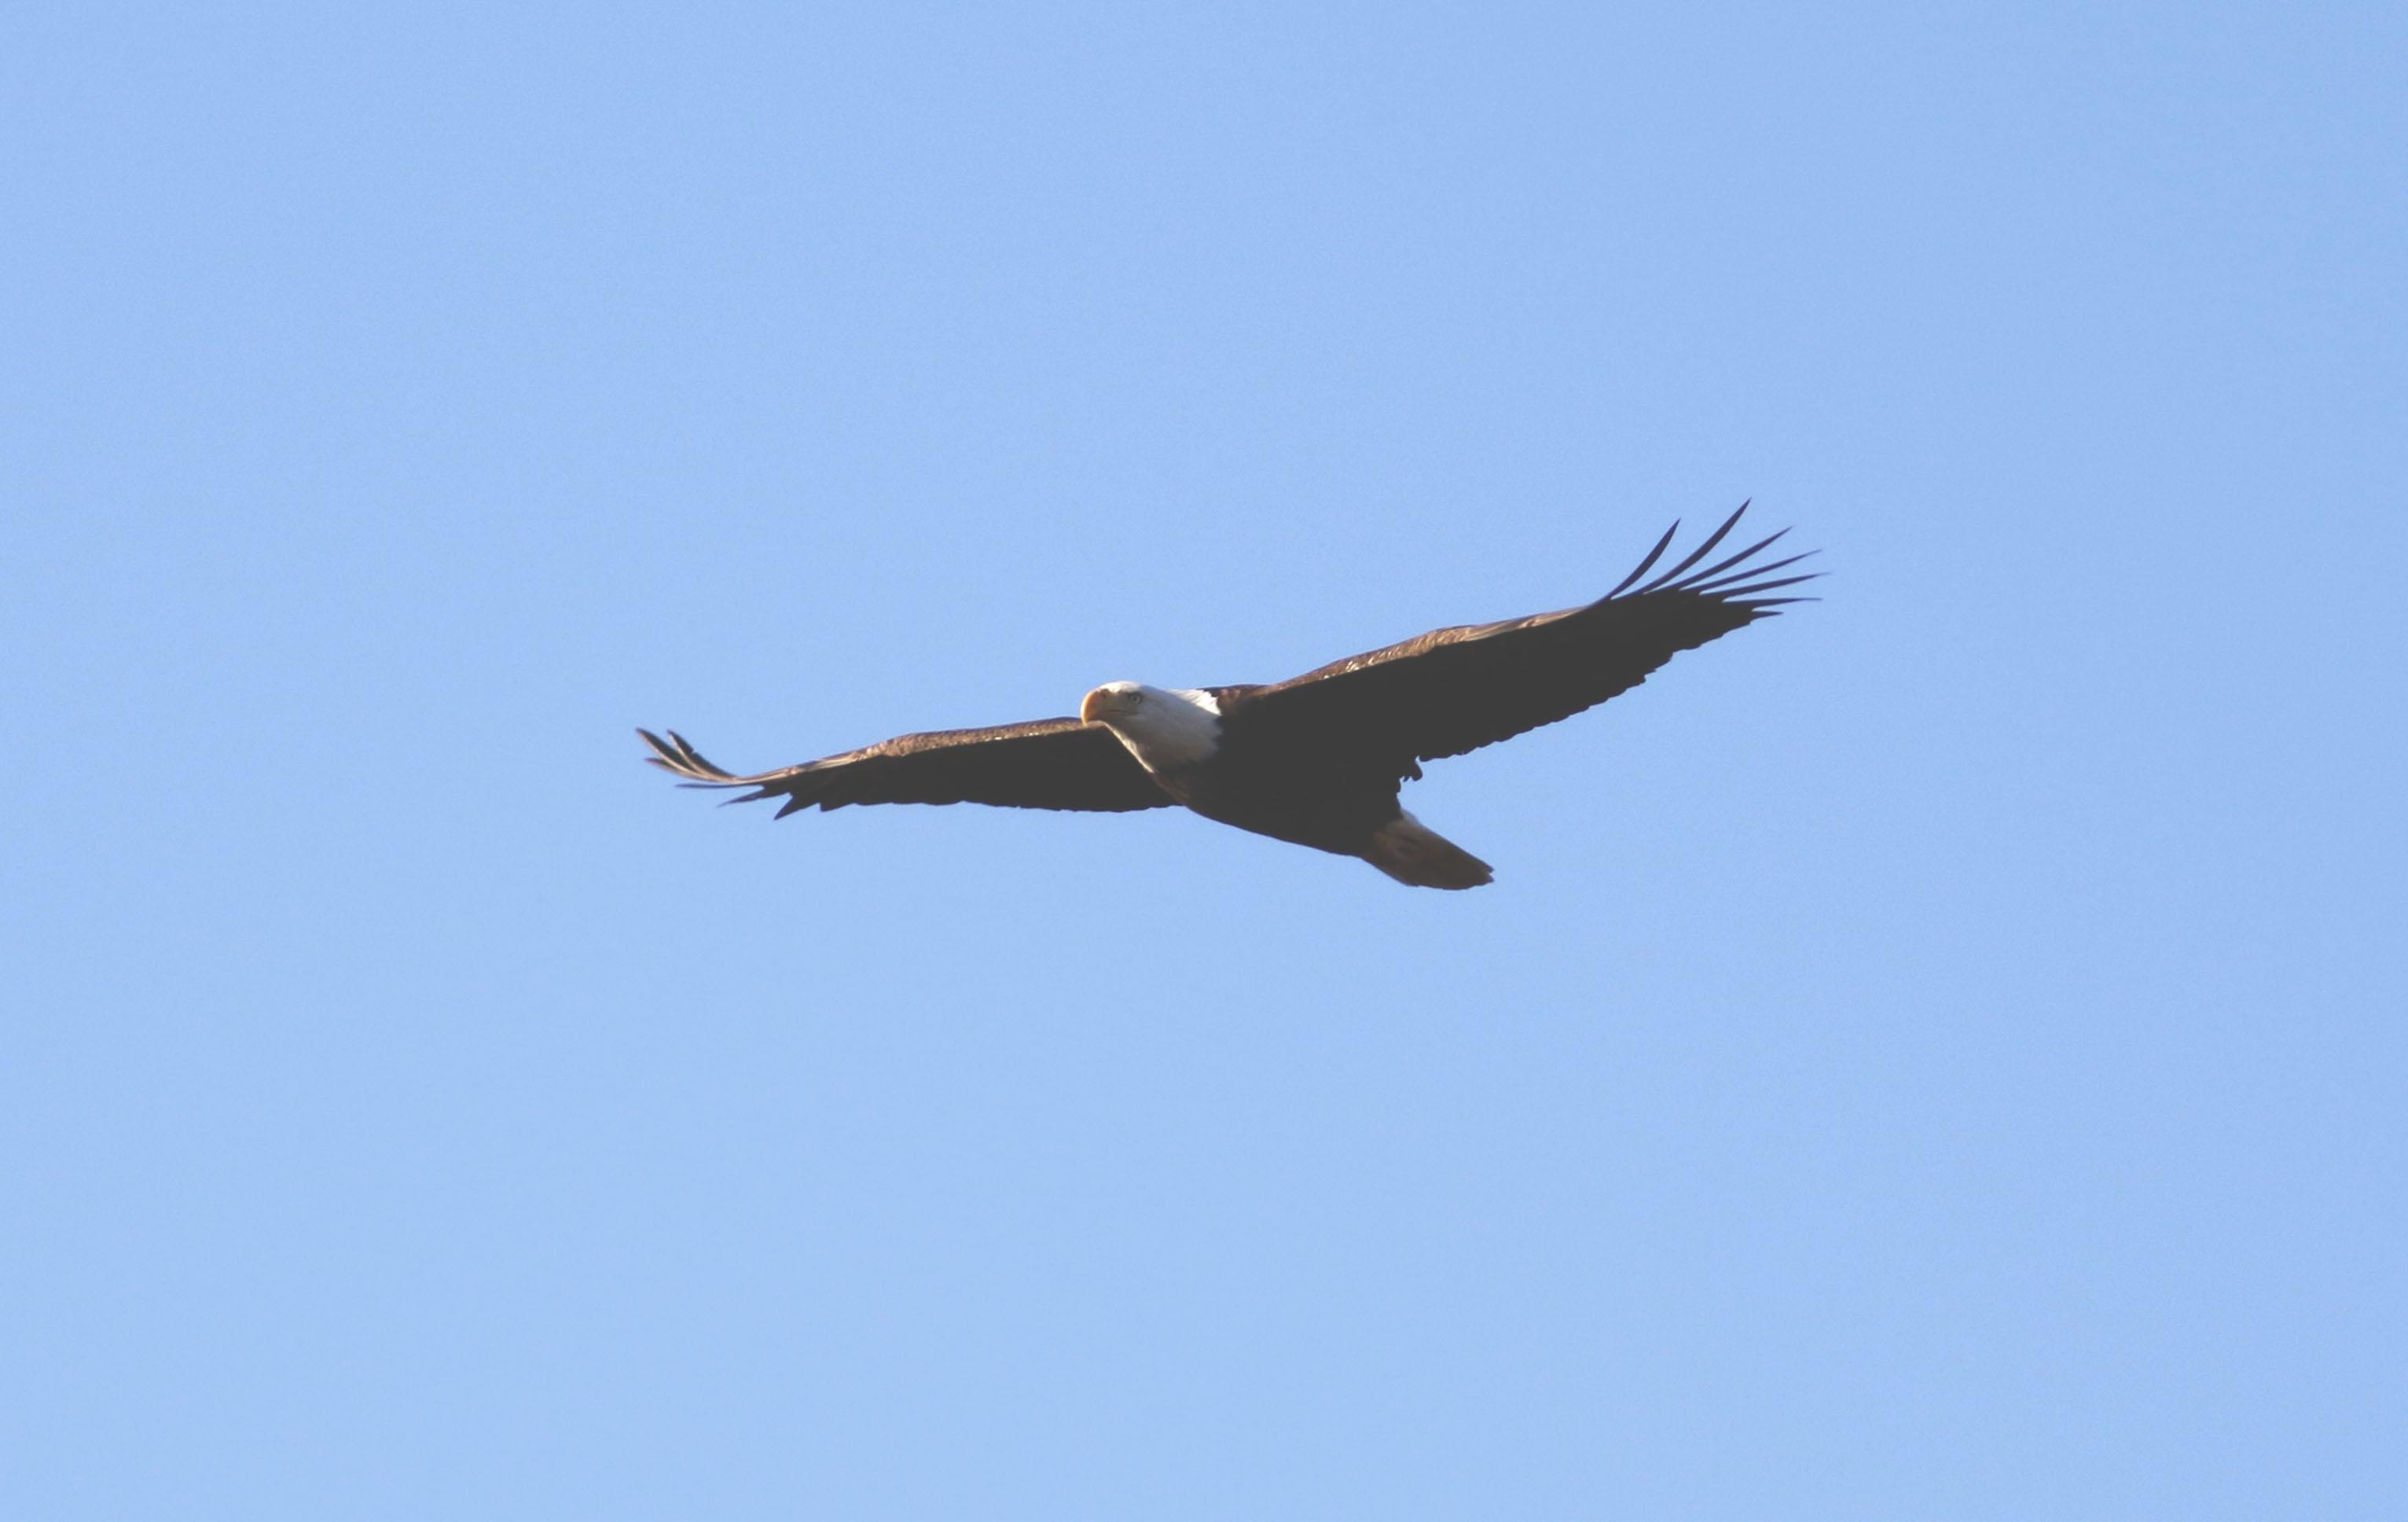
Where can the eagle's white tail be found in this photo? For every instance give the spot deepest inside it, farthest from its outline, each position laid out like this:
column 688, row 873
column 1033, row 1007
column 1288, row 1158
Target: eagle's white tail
column 1413, row 854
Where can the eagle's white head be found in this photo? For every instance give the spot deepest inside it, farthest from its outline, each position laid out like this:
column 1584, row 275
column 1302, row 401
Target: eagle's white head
column 1166, row 730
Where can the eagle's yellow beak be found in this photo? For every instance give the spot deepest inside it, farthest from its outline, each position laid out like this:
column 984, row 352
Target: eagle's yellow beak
column 1094, row 705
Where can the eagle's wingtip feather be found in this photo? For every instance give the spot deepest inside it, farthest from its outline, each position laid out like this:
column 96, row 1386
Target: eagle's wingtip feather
column 1653, row 556
column 1698, row 553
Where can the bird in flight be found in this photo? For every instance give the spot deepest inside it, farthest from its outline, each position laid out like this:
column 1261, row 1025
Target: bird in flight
column 1317, row 759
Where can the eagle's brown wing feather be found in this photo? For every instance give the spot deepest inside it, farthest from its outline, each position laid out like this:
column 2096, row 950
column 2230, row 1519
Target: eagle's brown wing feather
column 1045, row 764
column 1454, row 690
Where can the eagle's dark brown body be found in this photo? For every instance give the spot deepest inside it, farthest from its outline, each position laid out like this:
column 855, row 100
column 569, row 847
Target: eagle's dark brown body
column 1265, row 780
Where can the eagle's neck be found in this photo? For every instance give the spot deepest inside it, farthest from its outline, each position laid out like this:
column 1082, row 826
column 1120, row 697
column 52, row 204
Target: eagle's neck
column 1175, row 729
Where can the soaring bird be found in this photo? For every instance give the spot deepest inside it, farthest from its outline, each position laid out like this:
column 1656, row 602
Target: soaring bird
column 1317, row 759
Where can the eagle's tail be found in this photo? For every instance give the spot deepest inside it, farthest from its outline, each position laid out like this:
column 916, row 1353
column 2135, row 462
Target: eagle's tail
column 1414, row 855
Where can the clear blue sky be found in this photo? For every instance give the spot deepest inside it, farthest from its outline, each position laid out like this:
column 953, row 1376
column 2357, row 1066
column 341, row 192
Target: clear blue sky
column 1936, row 1055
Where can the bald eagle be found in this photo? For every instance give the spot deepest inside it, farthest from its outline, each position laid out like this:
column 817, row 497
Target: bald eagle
column 1317, row 759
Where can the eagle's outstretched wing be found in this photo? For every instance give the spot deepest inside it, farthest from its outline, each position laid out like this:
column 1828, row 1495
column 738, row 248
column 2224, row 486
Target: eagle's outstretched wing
column 1046, row 764
column 1455, row 690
